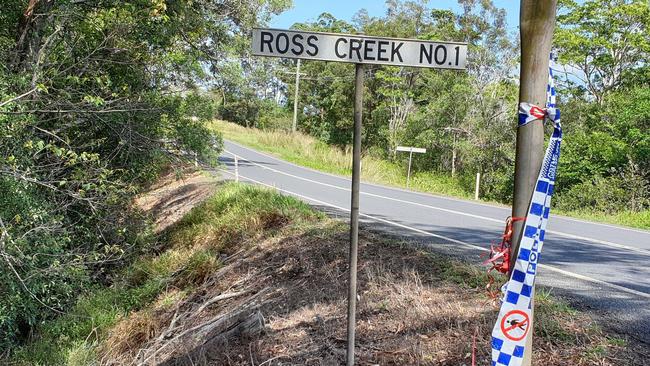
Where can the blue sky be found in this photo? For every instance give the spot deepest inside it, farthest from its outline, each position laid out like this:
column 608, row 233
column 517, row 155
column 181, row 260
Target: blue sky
column 309, row 10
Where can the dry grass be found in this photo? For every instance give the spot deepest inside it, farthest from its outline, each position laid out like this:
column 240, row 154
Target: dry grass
column 415, row 308
column 139, row 327
column 175, row 195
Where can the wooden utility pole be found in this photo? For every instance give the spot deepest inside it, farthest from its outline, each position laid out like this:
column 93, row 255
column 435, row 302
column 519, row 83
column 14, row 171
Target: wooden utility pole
column 537, row 21
column 294, row 126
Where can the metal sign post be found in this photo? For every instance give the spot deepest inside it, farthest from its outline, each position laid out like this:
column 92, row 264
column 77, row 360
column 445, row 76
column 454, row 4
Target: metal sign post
column 410, row 150
column 360, row 50
column 354, row 210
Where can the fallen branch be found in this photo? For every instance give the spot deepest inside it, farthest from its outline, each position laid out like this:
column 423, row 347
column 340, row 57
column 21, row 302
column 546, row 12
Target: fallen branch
column 222, row 325
column 219, row 298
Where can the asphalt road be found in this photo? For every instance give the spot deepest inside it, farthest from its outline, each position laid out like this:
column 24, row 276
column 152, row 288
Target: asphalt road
column 599, row 267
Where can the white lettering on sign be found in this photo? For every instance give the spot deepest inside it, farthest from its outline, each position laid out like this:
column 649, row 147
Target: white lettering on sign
column 359, row 49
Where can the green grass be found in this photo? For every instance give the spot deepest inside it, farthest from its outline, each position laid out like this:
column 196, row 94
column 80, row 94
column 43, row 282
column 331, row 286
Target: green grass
column 306, row 151
column 220, row 225
column 60, row 341
column 551, row 316
column 309, row 152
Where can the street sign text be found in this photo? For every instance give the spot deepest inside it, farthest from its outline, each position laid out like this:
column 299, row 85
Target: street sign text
column 359, row 49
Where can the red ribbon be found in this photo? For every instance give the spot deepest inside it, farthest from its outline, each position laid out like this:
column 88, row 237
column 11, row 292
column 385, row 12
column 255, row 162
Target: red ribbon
column 499, row 257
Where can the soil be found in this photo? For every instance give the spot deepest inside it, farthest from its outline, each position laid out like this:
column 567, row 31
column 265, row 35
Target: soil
column 175, row 195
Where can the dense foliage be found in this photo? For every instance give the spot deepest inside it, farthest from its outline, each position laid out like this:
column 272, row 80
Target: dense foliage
column 604, row 47
column 96, row 98
column 467, row 120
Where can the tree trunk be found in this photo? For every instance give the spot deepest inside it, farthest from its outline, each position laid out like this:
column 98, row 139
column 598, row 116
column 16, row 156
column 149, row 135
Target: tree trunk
column 453, row 157
column 30, row 33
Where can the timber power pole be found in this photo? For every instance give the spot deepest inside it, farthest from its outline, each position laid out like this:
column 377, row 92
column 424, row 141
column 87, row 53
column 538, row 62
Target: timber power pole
column 294, row 126
column 537, row 21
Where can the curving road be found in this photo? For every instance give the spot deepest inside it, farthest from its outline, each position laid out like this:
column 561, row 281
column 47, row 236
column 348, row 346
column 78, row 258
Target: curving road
column 604, row 268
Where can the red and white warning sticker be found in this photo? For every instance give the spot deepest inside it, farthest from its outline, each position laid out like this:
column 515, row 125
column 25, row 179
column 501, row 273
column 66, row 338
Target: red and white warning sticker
column 515, row 324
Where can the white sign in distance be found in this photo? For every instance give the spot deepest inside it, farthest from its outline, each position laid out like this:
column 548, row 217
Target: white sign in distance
column 359, row 49
column 411, row 149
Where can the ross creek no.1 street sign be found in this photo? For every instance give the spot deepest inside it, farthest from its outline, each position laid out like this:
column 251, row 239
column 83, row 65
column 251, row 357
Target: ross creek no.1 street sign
column 359, row 49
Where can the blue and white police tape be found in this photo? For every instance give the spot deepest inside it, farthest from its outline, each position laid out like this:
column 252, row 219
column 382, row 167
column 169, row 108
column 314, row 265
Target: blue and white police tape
column 514, row 321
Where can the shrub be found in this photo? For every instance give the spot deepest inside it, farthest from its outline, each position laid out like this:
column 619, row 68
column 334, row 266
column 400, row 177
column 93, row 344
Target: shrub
column 244, row 110
column 617, row 193
column 276, row 118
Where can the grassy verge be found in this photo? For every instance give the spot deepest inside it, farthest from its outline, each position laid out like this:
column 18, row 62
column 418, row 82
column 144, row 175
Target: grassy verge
column 639, row 220
column 307, row 151
column 261, row 248
column 192, row 251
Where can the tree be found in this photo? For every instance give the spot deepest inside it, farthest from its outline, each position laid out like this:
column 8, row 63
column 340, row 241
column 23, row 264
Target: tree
column 397, row 99
column 604, row 43
column 465, row 120
column 604, row 46
column 96, row 98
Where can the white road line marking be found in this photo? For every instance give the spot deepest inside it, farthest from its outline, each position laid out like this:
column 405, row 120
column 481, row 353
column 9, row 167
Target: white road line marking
column 490, row 205
column 640, row 231
column 369, row 194
column 572, row 236
column 468, row 245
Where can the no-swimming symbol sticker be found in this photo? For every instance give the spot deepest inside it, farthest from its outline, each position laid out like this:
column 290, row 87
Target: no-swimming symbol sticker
column 515, row 324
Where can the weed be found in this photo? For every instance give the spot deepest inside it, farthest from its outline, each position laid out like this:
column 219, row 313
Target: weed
column 617, row 341
column 81, row 354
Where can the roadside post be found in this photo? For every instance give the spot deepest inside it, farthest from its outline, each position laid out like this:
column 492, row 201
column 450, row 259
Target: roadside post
column 294, row 126
column 360, row 50
column 236, row 159
column 478, row 186
column 410, row 150
column 354, row 210
column 537, row 21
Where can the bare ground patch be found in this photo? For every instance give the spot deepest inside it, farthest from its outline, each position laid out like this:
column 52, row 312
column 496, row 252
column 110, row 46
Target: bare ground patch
column 174, row 195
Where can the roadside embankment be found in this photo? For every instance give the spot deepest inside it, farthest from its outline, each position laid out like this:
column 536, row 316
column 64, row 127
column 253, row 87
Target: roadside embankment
column 251, row 277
